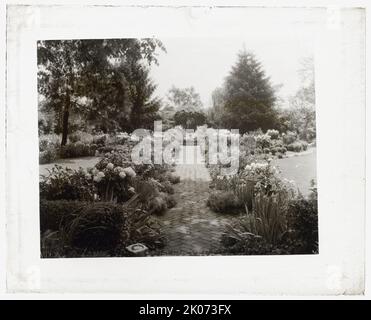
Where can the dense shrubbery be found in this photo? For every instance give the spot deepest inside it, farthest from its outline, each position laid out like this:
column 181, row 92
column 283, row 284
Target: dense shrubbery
column 112, row 179
column 53, row 212
column 81, row 136
column 297, row 146
column 224, row 202
column 80, row 144
column 255, row 178
column 48, row 156
column 271, row 143
column 273, row 220
column 278, row 224
column 48, row 148
column 48, row 141
column 67, row 184
column 95, row 229
column 273, row 134
column 303, row 224
column 84, row 225
column 82, row 210
column 97, row 226
column 289, row 137
column 77, row 149
column 189, row 119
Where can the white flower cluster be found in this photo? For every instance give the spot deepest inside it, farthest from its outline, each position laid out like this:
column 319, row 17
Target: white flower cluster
column 120, row 171
column 259, row 167
column 97, row 175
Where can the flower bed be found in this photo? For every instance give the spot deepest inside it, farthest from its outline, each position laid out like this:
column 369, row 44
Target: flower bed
column 272, row 218
column 80, row 144
column 75, row 202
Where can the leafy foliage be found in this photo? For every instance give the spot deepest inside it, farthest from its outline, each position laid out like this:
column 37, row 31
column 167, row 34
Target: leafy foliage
column 268, row 219
column 48, row 156
column 189, row 119
column 186, row 99
column 77, row 149
column 278, row 225
column 247, row 99
column 224, row 202
column 97, row 226
column 64, row 183
column 54, row 212
column 303, row 224
column 100, row 80
column 97, row 229
column 301, row 116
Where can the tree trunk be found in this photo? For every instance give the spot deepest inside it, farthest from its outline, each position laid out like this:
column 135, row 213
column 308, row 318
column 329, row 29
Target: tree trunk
column 66, row 114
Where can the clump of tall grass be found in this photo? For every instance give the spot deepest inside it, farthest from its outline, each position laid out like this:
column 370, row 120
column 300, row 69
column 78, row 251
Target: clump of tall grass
column 268, row 218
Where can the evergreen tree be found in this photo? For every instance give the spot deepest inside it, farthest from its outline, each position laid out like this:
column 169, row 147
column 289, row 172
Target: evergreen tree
column 144, row 107
column 249, row 96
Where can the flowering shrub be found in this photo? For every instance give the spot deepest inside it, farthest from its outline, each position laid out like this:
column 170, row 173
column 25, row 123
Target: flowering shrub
column 298, row 146
column 48, row 148
column 68, row 184
column 255, row 178
column 120, row 157
column 114, row 183
column 48, row 156
column 114, row 176
column 266, row 177
column 273, row 134
column 152, row 195
column 48, row 141
column 289, row 137
column 263, row 141
column 117, row 179
column 100, row 140
column 81, row 136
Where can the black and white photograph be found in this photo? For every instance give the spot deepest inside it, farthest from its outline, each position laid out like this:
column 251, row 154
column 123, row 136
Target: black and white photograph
column 162, row 149
column 177, row 146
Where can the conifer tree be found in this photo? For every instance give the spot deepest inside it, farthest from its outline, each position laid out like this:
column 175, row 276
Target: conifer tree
column 249, row 96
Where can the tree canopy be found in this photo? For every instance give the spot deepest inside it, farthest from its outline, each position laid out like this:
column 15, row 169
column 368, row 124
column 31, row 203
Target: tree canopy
column 102, row 80
column 246, row 100
column 301, row 116
column 249, row 96
column 186, row 99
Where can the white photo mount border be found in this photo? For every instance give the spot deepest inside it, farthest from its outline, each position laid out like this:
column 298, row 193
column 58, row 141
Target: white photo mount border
column 339, row 42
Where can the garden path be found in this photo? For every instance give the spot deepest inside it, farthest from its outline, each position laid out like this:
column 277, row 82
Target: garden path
column 191, row 227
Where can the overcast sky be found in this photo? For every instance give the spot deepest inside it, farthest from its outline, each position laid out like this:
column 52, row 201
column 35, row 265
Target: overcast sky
column 204, row 62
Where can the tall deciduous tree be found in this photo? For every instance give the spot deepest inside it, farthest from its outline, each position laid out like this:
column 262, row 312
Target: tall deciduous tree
column 216, row 112
column 249, row 96
column 81, row 76
column 301, row 117
column 186, row 99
